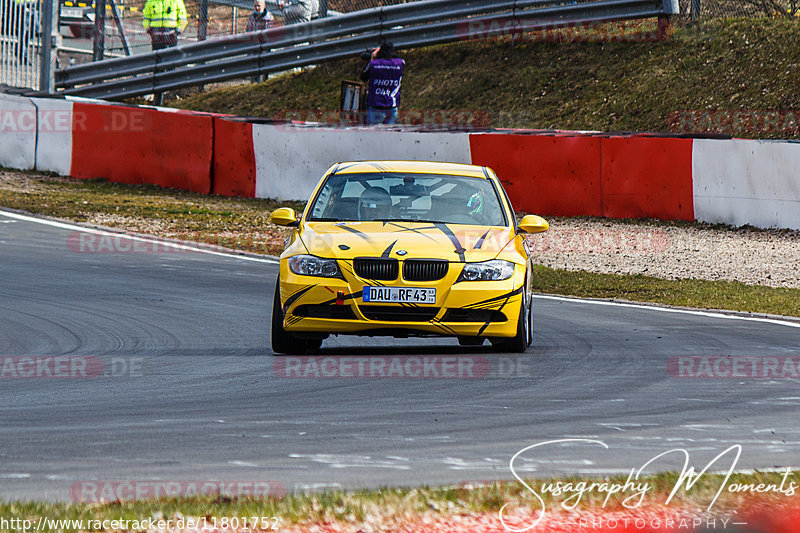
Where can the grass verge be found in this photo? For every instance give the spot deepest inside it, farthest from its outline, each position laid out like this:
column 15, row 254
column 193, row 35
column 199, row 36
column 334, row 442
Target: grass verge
column 390, row 505
column 241, row 223
column 742, row 64
column 731, row 295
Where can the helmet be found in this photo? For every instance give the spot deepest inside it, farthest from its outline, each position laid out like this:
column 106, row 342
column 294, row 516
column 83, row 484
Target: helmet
column 475, row 203
column 374, row 203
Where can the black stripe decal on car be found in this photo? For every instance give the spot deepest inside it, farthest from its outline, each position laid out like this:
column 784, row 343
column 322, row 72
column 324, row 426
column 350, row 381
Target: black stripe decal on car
column 507, row 296
column 356, row 232
column 459, row 248
column 480, row 241
column 387, row 251
column 291, row 299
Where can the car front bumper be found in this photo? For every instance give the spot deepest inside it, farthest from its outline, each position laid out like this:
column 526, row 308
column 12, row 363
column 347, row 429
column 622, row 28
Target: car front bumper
column 463, row 309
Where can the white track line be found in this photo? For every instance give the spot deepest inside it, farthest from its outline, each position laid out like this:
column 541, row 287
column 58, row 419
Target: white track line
column 176, row 246
column 673, row 310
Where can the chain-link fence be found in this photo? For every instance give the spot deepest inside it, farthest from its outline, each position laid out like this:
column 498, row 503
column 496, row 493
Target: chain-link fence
column 224, row 18
column 19, row 42
column 739, row 8
column 346, row 6
column 126, row 28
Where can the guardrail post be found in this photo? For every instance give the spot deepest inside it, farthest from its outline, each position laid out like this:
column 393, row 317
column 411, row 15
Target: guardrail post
column 99, row 47
column 202, row 20
column 158, row 97
column 48, row 46
column 120, row 29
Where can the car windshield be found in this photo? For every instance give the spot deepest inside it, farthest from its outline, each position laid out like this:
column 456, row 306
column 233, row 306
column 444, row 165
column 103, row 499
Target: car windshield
column 408, row 198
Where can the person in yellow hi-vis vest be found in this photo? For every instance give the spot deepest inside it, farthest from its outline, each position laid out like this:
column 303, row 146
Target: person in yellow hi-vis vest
column 164, row 20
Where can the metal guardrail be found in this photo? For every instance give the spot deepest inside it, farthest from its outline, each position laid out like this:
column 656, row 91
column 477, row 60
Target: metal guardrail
column 407, row 25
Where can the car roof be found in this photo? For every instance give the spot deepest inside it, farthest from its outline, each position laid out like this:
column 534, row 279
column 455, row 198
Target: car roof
column 411, row 167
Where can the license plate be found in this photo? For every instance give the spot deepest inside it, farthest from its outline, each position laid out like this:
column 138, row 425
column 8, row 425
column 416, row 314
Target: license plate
column 413, row 295
column 71, row 13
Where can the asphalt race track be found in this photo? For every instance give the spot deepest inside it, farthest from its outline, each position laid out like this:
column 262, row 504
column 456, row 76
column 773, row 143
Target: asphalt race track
column 188, row 389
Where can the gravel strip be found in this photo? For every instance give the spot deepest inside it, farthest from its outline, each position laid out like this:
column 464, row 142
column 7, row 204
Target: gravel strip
column 653, row 248
column 671, row 250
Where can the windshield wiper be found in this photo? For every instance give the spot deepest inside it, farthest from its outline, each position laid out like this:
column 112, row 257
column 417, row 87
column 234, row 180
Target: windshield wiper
column 421, row 220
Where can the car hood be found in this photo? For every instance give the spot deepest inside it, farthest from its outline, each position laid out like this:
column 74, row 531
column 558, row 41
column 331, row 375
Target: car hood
column 424, row 240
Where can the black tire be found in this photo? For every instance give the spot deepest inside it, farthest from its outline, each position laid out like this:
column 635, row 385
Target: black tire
column 313, row 346
column 282, row 341
column 518, row 343
column 530, row 321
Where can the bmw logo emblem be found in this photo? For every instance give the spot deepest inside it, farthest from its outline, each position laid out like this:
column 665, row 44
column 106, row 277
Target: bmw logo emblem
column 401, row 252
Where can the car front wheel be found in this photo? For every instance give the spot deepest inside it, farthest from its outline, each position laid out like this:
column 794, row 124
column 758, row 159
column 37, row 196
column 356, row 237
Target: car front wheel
column 519, row 342
column 282, row 341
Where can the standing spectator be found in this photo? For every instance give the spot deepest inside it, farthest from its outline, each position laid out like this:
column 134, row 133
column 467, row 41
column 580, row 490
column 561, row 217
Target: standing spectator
column 260, row 18
column 164, row 20
column 385, row 73
column 296, row 11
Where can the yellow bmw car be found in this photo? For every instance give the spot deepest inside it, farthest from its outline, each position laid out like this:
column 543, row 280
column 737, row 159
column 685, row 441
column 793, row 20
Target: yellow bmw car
column 405, row 248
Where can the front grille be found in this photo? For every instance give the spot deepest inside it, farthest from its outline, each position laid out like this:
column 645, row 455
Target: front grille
column 424, row 269
column 341, row 312
column 473, row 315
column 398, row 313
column 375, row 268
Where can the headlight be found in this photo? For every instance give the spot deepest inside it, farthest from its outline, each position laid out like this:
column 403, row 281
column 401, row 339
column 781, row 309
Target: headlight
column 309, row 265
column 494, row 270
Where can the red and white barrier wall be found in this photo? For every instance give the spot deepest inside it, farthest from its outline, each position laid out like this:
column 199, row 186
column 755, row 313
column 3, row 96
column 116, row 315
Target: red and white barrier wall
column 290, row 159
column 17, row 132
column 729, row 181
column 572, row 175
column 53, row 149
column 742, row 182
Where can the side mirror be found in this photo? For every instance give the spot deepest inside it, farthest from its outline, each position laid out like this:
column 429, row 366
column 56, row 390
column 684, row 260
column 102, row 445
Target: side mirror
column 284, row 216
column 532, row 224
